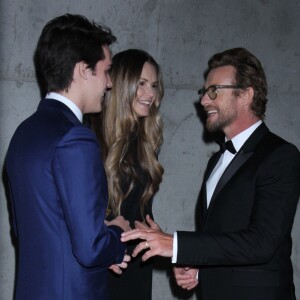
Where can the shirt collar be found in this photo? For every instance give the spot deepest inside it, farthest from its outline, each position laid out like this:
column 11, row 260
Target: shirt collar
column 239, row 140
column 74, row 108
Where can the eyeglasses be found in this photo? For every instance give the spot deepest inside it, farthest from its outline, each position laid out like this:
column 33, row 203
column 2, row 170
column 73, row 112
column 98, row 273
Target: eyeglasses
column 212, row 90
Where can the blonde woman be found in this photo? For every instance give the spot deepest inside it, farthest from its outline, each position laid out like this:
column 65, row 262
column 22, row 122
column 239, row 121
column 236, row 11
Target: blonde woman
column 130, row 131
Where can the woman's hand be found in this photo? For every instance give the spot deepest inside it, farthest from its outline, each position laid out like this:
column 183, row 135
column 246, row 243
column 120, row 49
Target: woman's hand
column 150, row 224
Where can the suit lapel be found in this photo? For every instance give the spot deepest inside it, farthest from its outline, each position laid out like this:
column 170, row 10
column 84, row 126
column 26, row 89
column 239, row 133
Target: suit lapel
column 233, row 167
column 239, row 160
column 210, row 166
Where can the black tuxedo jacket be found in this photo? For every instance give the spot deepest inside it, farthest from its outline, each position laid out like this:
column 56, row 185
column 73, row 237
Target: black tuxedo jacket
column 243, row 246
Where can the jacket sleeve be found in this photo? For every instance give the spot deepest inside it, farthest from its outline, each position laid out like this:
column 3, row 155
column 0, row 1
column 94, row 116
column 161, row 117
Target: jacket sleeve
column 276, row 190
column 11, row 206
column 82, row 187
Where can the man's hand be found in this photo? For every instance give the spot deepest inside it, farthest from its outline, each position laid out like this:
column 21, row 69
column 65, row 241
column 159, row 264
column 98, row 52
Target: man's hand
column 119, row 221
column 158, row 242
column 117, row 268
column 186, row 277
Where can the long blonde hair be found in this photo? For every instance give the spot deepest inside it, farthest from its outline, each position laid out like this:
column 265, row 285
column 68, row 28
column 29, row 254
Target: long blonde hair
column 121, row 125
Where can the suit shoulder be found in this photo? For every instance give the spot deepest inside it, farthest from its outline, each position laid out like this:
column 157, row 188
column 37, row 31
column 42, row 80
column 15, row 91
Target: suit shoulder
column 273, row 141
column 273, row 148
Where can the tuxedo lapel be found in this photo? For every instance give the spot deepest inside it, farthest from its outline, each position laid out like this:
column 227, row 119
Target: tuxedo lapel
column 239, row 160
column 233, row 167
column 210, row 166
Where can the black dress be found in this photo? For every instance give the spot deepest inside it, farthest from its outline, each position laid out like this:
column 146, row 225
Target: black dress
column 135, row 283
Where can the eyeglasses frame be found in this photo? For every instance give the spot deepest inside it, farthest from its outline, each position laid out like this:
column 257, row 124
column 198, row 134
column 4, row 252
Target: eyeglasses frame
column 203, row 91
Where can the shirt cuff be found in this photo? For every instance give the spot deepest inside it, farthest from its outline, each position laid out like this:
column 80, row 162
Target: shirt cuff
column 175, row 248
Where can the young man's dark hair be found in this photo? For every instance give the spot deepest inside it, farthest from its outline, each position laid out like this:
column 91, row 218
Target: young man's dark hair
column 65, row 41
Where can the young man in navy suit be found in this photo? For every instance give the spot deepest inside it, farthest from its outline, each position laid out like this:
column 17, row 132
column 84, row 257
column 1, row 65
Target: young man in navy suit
column 248, row 198
column 56, row 177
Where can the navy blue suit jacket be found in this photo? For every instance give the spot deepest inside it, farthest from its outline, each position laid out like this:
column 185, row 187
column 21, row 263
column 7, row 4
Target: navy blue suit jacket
column 59, row 197
column 244, row 245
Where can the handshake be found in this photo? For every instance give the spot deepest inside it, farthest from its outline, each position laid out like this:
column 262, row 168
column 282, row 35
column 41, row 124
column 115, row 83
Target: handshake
column 125, row 226
column 154, row 242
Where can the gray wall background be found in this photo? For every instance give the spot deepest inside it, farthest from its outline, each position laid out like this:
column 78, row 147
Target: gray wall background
column 181, row 35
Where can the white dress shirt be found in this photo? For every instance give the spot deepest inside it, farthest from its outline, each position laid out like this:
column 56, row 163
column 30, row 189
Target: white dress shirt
column 74, row 108
column 225, row 159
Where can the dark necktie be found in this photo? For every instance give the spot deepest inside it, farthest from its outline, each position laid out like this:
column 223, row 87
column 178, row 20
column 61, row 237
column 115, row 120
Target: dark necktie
column 227, row 146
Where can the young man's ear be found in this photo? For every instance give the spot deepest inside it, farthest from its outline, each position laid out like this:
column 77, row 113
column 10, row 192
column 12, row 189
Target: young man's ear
column 82, row 70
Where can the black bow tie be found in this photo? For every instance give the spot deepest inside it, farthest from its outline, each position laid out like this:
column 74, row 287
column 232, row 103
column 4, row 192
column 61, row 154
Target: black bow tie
column 227, row 146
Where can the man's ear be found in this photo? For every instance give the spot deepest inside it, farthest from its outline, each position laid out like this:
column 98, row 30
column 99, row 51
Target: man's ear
column 247, row 95
column 82, row 70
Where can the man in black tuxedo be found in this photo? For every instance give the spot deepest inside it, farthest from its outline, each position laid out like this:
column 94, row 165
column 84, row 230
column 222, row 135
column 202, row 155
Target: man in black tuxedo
column 248, row 198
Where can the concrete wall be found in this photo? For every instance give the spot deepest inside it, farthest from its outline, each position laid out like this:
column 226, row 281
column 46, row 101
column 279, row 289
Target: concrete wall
column 181, row 35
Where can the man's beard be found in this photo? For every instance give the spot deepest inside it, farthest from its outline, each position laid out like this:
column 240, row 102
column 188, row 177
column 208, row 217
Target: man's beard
column 220, row 123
